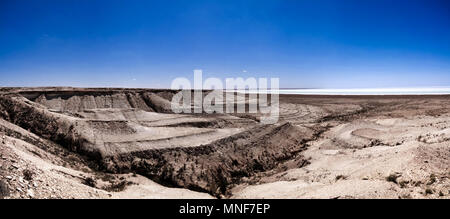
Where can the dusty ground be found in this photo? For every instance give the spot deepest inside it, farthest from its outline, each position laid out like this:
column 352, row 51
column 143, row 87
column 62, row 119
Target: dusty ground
column 125, row 143
column 398, row 148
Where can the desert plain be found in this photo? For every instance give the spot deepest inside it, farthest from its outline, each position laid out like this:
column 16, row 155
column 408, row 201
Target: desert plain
column 62, row 142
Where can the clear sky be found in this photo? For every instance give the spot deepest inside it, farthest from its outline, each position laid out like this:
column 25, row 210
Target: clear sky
column 313, row 44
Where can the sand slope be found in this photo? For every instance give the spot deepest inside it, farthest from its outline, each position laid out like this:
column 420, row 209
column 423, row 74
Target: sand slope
column 125, row 143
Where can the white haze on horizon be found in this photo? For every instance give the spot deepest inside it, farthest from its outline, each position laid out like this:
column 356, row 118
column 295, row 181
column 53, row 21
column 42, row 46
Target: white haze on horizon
column 363, row 91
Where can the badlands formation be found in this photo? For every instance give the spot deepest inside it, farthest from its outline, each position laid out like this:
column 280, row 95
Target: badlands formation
column 127, row 143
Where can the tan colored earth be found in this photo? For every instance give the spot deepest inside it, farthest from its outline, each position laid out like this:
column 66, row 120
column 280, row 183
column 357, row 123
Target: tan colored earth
column 126, row 143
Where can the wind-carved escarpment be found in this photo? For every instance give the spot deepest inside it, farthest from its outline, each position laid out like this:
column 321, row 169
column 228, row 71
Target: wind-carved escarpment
column 358, row 146
column 127, row 100
column 134, row 131
column 216, row 166
column 59, row 129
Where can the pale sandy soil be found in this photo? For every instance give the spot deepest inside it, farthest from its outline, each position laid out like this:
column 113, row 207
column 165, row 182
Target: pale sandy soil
column 53, row 181
column 354, row 160
column 322, row 147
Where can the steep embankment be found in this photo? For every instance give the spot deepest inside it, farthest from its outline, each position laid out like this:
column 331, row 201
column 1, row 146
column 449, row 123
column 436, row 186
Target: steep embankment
column 124, row 145
column 71, row 101
column 217, row 166
column 57, row 128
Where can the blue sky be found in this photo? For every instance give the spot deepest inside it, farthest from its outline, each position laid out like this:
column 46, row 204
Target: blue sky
column 313, row 44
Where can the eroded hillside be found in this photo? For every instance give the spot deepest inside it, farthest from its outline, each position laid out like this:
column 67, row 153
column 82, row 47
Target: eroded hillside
column 118, row 142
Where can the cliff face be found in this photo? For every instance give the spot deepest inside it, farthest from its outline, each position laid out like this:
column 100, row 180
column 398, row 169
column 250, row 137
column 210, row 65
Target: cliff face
column 80, row 103
column 57, row 128
column 215, row 167
column 358, row 146
column 135, row 132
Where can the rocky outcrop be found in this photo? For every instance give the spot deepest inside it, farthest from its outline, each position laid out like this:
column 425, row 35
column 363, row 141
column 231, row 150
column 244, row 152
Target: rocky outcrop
column 71, row 102
column 217, row 166
column 158, row 103
column 58, row 129
column 213, row 167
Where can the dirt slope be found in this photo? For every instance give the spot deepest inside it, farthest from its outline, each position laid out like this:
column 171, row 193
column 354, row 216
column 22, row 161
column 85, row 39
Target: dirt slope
column 126, row 143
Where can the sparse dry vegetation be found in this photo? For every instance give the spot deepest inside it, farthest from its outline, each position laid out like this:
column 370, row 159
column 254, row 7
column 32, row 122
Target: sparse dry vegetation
column 4, row 189
column 112, row 135
column 393, row 177
column 89, row 181
column 28, row 174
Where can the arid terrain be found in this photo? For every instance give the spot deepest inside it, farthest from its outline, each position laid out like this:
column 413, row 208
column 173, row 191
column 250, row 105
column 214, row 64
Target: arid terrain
column 126, row 143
